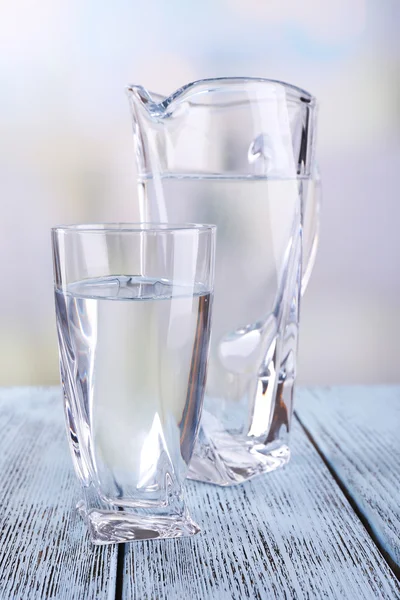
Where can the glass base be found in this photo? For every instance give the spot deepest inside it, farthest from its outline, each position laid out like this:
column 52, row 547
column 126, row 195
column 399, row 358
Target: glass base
column 230, row 461
column 113, row 527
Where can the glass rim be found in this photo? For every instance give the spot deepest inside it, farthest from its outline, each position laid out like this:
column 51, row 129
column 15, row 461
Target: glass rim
column 300, row 94
column 133, row 227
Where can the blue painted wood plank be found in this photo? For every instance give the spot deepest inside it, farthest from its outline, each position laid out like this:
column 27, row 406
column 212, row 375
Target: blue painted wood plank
column 44, row 550
column 358, row 431
column 287, row 535
column 291, row 534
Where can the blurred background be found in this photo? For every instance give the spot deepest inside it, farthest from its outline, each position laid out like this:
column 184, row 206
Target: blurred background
column 67, row 152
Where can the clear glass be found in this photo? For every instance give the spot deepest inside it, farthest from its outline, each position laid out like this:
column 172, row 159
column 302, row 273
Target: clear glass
column 133, row 307
column 239, row 153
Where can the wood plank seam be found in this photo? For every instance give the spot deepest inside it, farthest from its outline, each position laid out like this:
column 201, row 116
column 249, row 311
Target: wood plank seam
column 121, row 572
column 390, row 562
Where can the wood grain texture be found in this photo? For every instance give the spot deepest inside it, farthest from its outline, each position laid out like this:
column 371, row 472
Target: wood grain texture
column 358, row 431
column 44, row 549
column 290, row 534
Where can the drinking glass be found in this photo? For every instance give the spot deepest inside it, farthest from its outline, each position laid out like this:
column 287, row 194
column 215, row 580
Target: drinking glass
column 133, row 308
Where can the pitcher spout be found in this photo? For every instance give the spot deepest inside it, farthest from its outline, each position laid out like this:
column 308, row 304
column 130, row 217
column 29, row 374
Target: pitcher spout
column 141, row 100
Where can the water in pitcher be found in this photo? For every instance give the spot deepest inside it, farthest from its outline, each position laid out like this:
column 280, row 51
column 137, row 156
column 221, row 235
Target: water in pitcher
column 130, row 348
column 256, row 220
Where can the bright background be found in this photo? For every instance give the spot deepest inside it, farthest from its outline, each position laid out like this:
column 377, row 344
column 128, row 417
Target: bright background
column 66, row 152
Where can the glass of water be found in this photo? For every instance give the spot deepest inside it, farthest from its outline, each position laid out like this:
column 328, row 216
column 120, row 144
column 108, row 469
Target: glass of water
column 133, row 307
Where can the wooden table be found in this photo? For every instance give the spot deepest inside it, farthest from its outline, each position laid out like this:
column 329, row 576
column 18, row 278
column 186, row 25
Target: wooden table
column 327, row 526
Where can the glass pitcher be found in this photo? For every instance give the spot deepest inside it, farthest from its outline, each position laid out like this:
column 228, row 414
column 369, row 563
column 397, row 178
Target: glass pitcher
column 239, row 153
